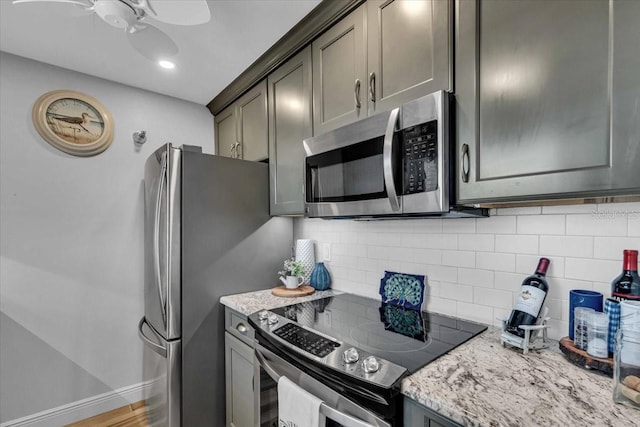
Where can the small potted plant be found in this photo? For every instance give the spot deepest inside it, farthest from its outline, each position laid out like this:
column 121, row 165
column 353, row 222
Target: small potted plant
column 292, row 273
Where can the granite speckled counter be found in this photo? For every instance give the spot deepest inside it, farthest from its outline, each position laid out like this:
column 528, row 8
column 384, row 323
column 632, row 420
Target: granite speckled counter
column 251, row 302
column 480, row 383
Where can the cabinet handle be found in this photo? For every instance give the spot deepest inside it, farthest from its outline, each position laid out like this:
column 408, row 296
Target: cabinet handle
column 465, row 163
column 234, row 151
column 241, row 328
column 357, row 93
column 372, row 87
column 238, row 150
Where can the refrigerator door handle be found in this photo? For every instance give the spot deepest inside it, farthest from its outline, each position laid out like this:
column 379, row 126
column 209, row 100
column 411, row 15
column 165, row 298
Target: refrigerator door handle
column 156, row 236
column 162, row 351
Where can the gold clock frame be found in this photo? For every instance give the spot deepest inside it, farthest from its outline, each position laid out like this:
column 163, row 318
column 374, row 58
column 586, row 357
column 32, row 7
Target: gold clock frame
column 40, row 122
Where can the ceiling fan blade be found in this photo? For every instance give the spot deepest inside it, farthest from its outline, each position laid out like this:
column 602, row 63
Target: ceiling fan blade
column 84, row 3
column 151, row 42
column 182, row 12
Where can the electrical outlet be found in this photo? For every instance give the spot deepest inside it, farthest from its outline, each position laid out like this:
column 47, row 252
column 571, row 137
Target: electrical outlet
column 325, row 251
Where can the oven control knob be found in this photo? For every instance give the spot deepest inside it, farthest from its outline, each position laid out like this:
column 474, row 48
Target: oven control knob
column 370, row 365
column 350, row 355
column 263, row 315
column 273, row 319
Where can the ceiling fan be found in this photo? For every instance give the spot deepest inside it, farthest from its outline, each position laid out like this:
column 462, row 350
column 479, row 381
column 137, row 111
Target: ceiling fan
column 132, row 17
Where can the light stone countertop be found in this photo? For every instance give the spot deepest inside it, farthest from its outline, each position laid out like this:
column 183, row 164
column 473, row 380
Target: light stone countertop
column 482, row 384
column 251, row 302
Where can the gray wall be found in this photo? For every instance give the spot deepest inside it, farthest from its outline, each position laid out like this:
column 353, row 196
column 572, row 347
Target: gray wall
column 71, row 239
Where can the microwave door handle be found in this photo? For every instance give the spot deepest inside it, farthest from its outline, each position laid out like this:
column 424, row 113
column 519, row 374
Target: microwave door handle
column 326, row 410
column 387, row 160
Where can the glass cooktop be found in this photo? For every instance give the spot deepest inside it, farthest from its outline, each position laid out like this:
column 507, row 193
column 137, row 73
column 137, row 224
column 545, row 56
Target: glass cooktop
column 405, row 337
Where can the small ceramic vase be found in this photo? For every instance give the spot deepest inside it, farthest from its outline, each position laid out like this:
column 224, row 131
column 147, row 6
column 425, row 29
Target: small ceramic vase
column 320, row 278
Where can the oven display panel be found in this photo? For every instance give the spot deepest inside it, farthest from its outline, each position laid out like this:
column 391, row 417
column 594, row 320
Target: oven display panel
column 306, row 340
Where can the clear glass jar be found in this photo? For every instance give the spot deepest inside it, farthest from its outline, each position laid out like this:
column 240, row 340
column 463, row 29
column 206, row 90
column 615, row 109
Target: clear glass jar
column 626, row 368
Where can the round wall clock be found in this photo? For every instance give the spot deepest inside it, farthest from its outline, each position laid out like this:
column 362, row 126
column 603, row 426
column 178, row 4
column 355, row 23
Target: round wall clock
column 73, row 122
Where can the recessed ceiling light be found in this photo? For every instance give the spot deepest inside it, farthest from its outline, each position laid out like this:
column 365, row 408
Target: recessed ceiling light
column 167, row 64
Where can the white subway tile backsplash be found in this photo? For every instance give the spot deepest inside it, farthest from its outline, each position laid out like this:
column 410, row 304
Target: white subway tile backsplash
column 459, row 225
column 442, row 241
column 541, row 224
column 475, row 312
column 508, row 281
column 459, row 258
column 476, row 242
column 496, row 225
column 493, row 298
column 426, row 256
column 496, row 261
column 518, row 244
column 474, row 277
column 442, row 273
column 592, row 269
column 612, row 247
column 595, row 225
column 456, row 292
column 475, row 267
column 574, row 246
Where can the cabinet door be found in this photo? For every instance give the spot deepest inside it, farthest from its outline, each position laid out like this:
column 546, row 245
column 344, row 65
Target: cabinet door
column 253, row 134
column 290, row 100
column 410, row 50
column 539, row 86
column 225, row 128
column 241, row 402
column 339, row 73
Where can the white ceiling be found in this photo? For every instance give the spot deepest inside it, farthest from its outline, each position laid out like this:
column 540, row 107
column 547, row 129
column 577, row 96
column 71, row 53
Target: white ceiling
column 210, row 55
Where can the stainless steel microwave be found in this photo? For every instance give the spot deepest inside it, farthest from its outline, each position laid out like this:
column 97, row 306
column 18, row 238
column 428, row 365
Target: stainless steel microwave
column 395, row 163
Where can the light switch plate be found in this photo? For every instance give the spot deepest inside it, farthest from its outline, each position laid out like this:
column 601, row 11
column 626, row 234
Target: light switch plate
column 325, row 251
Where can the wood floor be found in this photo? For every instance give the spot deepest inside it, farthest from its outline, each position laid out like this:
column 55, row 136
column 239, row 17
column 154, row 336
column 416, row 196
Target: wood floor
column 133, row 415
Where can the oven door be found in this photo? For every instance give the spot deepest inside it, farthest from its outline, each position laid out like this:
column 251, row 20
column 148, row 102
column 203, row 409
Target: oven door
column 355, row 170
column 337, row 410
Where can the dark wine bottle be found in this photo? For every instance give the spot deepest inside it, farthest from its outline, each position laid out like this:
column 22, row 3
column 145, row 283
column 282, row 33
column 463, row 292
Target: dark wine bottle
column 627, row 285
column 533, row 292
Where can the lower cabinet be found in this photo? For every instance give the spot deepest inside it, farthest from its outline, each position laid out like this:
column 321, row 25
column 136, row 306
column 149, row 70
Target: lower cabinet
column 239, row 382
column 241, row 402
column 416, row 415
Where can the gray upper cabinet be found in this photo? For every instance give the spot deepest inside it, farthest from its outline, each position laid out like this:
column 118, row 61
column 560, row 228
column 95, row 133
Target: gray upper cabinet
column 339, row 73
column 242, row 128
column 383, row 54
column 225, row 127
column 409, row 51
column 547, row 99
column 290, row 121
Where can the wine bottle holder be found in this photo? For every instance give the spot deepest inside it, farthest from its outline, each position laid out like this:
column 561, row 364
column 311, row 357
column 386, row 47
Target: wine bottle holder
column 532, row 340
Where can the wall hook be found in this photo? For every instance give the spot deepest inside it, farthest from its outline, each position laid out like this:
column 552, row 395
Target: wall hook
column 140, row 137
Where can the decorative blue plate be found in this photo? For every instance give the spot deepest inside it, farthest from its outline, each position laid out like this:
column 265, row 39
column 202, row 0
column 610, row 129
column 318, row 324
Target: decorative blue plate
column 402, row 290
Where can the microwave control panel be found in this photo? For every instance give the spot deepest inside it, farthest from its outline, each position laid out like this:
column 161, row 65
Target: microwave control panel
column 420, row 155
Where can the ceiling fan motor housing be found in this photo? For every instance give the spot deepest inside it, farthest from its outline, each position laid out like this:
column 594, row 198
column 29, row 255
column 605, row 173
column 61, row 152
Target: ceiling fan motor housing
column 116, row 13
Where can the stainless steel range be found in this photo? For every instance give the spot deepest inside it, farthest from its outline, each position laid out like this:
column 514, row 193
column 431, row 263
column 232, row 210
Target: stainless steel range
column 352, row 352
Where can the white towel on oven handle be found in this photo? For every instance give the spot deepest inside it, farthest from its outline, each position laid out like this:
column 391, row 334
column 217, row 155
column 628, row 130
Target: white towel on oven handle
column 296, row 406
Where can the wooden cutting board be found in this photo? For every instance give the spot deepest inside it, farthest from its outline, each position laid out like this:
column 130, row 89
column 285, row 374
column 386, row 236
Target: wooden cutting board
column 300, row 291
column 583, row 359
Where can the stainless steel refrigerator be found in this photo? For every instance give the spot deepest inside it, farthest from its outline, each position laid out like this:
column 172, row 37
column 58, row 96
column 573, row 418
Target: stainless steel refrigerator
column 207, row 233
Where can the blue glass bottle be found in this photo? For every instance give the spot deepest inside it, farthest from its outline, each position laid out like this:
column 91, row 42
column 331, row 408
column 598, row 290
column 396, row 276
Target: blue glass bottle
column 320, row 278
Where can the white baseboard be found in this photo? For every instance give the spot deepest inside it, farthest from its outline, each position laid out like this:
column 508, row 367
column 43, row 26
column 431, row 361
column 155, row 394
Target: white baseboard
column 82, row 409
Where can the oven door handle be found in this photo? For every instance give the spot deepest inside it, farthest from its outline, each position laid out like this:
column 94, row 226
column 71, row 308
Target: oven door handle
column 387, row 160
column 326, row 410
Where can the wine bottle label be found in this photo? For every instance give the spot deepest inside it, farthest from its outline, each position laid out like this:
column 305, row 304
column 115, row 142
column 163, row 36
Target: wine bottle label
column 530, row 300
